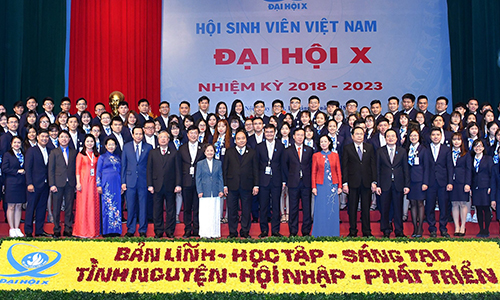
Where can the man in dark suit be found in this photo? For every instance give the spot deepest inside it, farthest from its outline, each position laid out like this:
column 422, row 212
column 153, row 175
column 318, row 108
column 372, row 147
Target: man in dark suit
column 122, row 136
column 297, row 171
column 258, row 136
column 62, row 182
column 440, row 183
column 48, row 106
column 378, row 138
column 441, row 107
column 188, row 156
column 259, row 108
column 36, row 167
column 241, row 181
column 359, row 176
column 31, row 105
column 6, row 138
column 203, row 104
column 270, row 156
column 149, row 133
column 393, row 180
column 164, row 118
column 134, row 181
column 423, row 105
column 143, row 115
column 164, row 180
column 76, row 137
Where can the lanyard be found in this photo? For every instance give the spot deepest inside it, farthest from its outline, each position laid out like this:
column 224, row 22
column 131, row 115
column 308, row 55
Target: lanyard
column 91, row 159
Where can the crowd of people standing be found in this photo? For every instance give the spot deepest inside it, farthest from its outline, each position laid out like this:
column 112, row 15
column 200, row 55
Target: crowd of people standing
column 226, row 167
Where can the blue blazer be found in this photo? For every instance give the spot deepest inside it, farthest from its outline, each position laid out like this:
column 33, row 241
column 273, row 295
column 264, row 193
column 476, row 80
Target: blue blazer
column 209, row 183
column 10, row 166
column 420, row 172
column 481, row 181
column 441, row 170
column 37, row 171
column 5, row 140
column 276, row 164
column 135, row 172
column 461, row 176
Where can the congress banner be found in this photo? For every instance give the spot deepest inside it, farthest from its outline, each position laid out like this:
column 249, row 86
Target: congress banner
column 311, row 266
column 268, row 49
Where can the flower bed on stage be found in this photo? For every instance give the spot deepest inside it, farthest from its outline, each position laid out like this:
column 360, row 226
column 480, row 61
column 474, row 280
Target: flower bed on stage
column 332, row 266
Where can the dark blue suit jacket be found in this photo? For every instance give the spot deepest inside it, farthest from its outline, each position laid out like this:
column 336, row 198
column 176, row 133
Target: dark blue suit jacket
column 441, row 170
column 10, row 166
column 79, row 141
column 5, row 140
column 134, row 173
column 495, row 184
column 162, row 123
column 252, row 141
column 36, row 170
column 420, row 172
column 292, row 166
column 276, row 163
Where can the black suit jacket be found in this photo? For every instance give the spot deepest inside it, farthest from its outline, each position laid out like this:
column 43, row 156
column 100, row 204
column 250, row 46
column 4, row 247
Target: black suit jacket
column 184, row 163
column 36, row 170
column 399, row 168
column 356, row 172
column 162, row 123
column 292, row 166
column 240, row 171
column 276, row 163
column 162, row 170
column 59, row 171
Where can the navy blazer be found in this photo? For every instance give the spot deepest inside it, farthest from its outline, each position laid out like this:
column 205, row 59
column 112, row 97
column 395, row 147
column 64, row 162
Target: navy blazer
column 441, row 170
column 399, row 169
column 37, row 171
column 420, row 172
column 162, row 123
column 162, row 170
column 141, row 119
column 447, row 138
column 5, row 140
column 252, row 141
column 209, row 183
column 134, row 173
column 79, row 141
column 197, row 115
column 375, row 140
column 482, row 178
column 495, row 184
column 292, row 166
column 462, row 175
column 276, row 164
column 10, row 167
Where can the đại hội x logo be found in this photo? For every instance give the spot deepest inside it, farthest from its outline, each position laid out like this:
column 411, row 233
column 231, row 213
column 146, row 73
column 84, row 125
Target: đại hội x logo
column 286, row 5
column 30, row 261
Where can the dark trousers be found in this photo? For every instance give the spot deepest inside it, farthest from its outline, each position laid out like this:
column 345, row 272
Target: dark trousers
column 191, row 210
column 137, row 208
column 269, row 196
column 434, row 191
column 68, row 193
column 150, row 207
column 160, row 198
column 296, row 195
column 246, row 210
column 37, row 205
column 353, row 200
column 483, row 218
column 392, row 197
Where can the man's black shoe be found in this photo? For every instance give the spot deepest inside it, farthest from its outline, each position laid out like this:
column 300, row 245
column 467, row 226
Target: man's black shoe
column 67, row 234
column 233, row 235
column 277, row 234
column 57, row 234
column 170, row 235
column 44, row 234
column 445, row 234
column 263, row 235
column 433, row 234
column 142, row 234
column 129, row 235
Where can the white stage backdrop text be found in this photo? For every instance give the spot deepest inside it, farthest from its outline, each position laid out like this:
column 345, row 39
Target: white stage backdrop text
column 269, row 49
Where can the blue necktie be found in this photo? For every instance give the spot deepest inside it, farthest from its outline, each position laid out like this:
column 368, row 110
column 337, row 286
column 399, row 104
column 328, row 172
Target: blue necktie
column 20, row 157
column 476, row 164
column 108, row 130
column 411, row 156
column 471, row 140
column 177, row 144
column 495, row 157
column 200, row 139
column 56, row 142
column 137, row 152
column 455, row 156
column 241, row 151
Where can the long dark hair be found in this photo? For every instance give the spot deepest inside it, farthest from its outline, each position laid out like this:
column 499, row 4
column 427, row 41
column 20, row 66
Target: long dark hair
column 20, row 149
column 463, row 149
column 94, row 149
column 233, row 106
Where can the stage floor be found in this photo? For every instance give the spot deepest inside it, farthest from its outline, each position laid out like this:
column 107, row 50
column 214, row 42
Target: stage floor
column 471, row 228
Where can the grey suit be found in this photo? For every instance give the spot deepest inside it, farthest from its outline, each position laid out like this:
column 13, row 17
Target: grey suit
column 209, row 183
column 63, row 176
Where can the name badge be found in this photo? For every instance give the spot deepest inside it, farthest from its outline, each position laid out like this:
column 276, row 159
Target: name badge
column 223, row 151
column 269, row 171
column 92, row 173
column 417, row 161
column 191, row 171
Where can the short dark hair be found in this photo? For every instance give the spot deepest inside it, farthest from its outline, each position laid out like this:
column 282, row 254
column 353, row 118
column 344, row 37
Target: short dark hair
column 85, row 100
column 165, row 102
column 137, row 127
column 257, row 118
column 312, row 97
column 47, row 99
column 203, row 98
column 278, row 101
column 192, row 127
column 66, row 99
column 123, row 103
column 393, row 98
column 422, row 97
column 117, row 119
column 351, row 101
column 445, row 99
column 389, row 130
column 435, row 129
column 63, row 132
column 409, row 96
column 17, row 104
column 99, row 103
column 375, row 102
column 40, row 131
column 270, row 126
column 298, row 129
column 333, row 102
column 185, row 102
column 143, row 100
column 259, row 102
